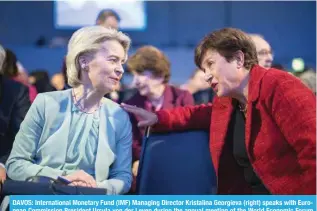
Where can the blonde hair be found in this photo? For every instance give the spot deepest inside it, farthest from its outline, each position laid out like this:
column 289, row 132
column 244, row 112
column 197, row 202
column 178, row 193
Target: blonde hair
column 256, row 36
column 2, row 57
column 88, row 40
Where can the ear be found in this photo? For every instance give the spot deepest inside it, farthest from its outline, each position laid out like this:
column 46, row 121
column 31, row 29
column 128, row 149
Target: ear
column 239, row 57
column 83, row 62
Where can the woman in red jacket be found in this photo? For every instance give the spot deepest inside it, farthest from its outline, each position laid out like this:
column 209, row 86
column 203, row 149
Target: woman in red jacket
column 262, row 123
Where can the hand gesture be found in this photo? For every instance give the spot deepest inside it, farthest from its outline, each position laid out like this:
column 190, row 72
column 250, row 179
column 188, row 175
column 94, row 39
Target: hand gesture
column 147, row 118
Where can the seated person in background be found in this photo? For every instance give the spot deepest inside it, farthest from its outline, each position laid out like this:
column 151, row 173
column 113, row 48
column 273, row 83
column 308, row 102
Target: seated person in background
column 11, row 70
column 14, row 104
column 58, row 81
column 108, row 18
column 76, row 133
column 308, row 77
column 151, row 70
column 199, row 88
column 40, row 79
column 263, row 49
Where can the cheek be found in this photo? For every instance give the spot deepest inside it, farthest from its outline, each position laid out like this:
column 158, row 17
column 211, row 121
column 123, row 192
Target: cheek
column 154, row 82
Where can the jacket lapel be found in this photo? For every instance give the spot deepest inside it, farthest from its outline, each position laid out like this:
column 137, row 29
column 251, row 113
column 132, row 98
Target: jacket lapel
column 56, row 130
column 256, row 75
column 105, row 155
column 221, row 115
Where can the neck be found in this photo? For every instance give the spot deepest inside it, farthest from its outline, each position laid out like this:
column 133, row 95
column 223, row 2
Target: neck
column 87, row 98
column 242, row 91
column 157, row 93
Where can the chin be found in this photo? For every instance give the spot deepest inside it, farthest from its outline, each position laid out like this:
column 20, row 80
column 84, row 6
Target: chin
column 105, row 90
column 143, row 92
column 221, row 93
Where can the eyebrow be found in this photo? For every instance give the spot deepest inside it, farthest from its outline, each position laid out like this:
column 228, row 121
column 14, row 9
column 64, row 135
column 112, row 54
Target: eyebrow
column 206, row 61
column 117, row 57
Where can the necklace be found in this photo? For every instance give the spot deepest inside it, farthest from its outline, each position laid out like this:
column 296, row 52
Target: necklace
column 80, row 107
column 243, row 108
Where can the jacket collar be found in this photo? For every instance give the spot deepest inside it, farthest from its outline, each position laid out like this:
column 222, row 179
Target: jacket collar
column 256, row 75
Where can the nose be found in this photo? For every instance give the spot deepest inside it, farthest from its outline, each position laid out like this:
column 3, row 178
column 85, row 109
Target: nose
column 270, row 57
column 208, row 77
column 119, row 70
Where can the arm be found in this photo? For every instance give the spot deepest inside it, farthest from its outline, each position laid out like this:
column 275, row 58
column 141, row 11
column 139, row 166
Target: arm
column 20, row 108
column 294, row 111
column 120, row 177
column 184, row 118
column 21, row 163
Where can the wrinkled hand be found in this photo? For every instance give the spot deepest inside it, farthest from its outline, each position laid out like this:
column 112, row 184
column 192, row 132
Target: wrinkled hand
column 147, row 118
column 3, row 174
column 81, row 178
column 135, row 168
column 79, row 183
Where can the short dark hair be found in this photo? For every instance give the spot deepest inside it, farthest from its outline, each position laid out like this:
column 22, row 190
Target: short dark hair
column 227, row 42
column 152, row 59
column 106, row 13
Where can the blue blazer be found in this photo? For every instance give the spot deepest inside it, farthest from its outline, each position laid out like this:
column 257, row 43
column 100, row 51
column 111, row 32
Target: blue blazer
column 14, row 104
column 40, row 146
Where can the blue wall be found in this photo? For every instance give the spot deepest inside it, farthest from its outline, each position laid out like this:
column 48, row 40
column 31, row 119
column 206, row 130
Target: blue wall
column 176, row 27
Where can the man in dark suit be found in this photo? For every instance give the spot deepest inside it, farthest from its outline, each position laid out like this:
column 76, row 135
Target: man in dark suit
column 14, row 104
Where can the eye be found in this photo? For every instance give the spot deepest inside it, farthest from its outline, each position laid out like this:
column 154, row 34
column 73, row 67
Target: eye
column 210, row 63
column 113, row 60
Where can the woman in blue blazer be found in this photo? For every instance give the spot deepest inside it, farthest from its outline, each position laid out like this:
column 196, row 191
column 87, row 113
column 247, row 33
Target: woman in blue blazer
column 77, row 133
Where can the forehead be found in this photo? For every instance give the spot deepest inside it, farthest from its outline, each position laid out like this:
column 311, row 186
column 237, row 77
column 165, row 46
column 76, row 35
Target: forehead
column 113, row 48
column 260, row 43
column 144, row 73
column 210, row 55
column 110, row 19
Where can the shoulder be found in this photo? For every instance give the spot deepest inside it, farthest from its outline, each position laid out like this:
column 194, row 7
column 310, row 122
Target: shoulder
column 52, row 100
column 282, row 89
column 283, row 82
column 56, row 95
column 183, row 96
column 12, row 85
column 180, row 96
column 177, row 91
column 114, row 109
column 136, row 100
column 277, row 77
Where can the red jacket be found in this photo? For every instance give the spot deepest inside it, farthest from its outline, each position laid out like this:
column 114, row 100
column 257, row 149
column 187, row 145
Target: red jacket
column 280, row 134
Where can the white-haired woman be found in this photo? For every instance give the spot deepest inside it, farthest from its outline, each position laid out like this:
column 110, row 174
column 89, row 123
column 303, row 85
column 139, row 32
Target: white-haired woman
column 77, row 134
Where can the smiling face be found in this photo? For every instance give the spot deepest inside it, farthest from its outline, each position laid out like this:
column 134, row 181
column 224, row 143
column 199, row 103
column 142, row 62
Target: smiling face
column 147, row 83
column 224, row 77
column 105, row 69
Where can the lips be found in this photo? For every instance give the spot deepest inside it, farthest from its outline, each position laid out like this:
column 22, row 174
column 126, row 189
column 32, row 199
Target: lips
column 115, row 79
column 214, row 86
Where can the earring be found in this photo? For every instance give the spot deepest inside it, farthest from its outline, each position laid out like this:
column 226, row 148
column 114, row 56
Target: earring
column 85, row 68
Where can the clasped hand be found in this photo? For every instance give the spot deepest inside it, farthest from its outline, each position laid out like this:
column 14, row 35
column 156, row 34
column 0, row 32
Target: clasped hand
column 81, row 178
